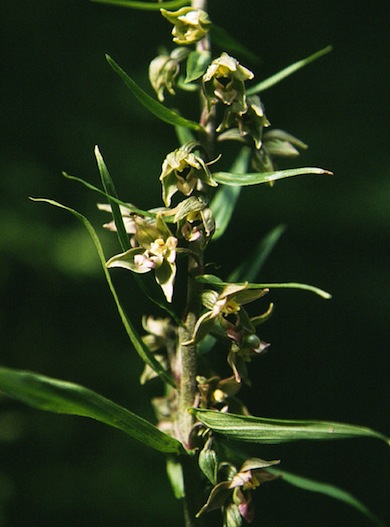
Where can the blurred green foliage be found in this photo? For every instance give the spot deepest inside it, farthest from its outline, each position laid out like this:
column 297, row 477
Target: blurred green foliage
column 329, row 360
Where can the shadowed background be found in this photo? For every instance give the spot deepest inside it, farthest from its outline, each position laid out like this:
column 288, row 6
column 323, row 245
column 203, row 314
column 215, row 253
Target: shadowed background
column 329, row 359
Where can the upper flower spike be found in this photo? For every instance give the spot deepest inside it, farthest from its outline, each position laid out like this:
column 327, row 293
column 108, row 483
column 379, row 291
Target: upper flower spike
column 190, row 25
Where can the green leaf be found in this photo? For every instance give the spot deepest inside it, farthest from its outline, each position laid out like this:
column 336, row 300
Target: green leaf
column 263, row 430
column 213, row 280
column 197, row 63
column 146, row 6
column 109, row 187
column 68, row 398
column 132, row 333
column 156, row 108
column 225, row 199
column 250, row 267
column 224, row 40
column 257, row 178
column 328, row 490
column 286, row 72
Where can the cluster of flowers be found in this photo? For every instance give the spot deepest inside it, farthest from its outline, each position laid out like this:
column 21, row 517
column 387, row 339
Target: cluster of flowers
column 155, row 246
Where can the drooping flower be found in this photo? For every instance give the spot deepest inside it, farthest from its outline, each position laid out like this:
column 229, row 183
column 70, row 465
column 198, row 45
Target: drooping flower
column 276, row 143
column 163, row 71
column 234, row 494
column 181, row 171
column 224, row 82
column 190, row 25
column 156, row 249
column 226, row 318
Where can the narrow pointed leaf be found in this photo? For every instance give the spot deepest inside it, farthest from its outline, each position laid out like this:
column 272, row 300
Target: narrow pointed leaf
column 145, row 6
column 251, row 266
column 63, row 397
column 109, row 187
column 156, row 108
column 132, row 333
column 213, row 280
column 286, row 72
column 263, row 430
column 328, row 490
column 257, row 178
column 225, row 199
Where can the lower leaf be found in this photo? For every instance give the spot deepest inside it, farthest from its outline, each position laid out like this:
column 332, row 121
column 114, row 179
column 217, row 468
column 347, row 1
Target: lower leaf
column 63, row 397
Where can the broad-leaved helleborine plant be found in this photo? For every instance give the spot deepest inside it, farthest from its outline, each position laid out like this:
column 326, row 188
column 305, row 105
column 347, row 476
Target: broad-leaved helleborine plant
column 200, row 419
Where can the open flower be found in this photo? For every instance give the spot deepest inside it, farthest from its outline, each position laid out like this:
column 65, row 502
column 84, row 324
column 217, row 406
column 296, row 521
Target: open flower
column 234, row 494
column 224, row 81
column 223, row 305
column 156, row 250
column 181, row 171
column 190, row 25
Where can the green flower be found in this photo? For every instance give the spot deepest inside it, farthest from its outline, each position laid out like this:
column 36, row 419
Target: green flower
column 221, row 306
column 276, row 143
column 250, row 125
column 181, row 171
column 190, row 25
column 234, row 494
column 224, row 81
column 156, row 250
column 226, row 318
column 163, row 71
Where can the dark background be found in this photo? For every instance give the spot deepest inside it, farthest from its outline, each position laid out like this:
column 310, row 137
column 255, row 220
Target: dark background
column 329, row 359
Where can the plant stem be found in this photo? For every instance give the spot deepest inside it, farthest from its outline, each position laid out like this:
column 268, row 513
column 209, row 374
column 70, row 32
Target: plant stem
column 187, row 354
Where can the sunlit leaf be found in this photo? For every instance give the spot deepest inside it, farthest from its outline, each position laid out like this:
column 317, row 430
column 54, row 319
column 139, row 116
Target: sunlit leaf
column 197, row 63
column 251, row 266
column 226, row 197
column 328, row 490
column 68, row 398
column 257, row 178
column 156, row 108
column 135, row 339
column 213, row 280
column 146, row 6
column 286, row 72
column 109, row 187
column 263, row 430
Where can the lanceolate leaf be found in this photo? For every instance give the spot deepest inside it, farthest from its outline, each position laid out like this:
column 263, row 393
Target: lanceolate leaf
column 251, row 266
column 263, row 430
column 328, row 490
column 158, row 109
column 63, row 397
column 135, row 339
column 286, row 72
column 109, row 187
column 213, row 280
column 257, row 178
column 225, row 199
column 146, row 6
